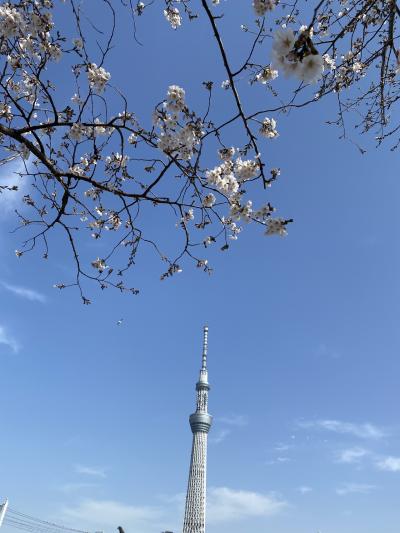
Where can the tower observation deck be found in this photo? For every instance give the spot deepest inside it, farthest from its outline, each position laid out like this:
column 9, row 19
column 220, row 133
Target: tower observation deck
column 200, row 423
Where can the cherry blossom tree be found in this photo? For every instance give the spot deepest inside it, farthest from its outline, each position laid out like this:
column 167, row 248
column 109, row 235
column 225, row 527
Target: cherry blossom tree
column 93, row 169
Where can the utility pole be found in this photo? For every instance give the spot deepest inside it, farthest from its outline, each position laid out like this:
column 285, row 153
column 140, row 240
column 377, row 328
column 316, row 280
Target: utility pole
column 3, row 510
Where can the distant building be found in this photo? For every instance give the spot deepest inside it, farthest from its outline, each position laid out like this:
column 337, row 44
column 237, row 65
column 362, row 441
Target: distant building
column 200, row 423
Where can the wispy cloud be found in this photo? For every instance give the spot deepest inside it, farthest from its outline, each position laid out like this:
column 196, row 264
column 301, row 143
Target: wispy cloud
column 304, row 489
column 356, row 455
column 229, row 505
column 23, row 292
column 95, row 471
column 223, row 505
column 69, row 488
column 352, row 455
column 281, row 447
column 362, row 431
column 389, row 464
column 9, row 200
column 103, row 514
column 278, row 460
column 219, row 436
column 8, row 340
column 327, row 352
column 233, row 420
column 355, row 488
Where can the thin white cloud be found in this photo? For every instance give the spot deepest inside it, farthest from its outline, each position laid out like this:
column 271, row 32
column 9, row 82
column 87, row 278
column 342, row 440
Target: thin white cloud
column 278, row 460
column 69, row 488
column 355, row 488
column 8, row 340
column 389, row 464
column 362, row 431
column 95, row 471
column 73, row 440
column 283, row 447
column 107, row 514
column 10, row 200
column 352, row 455
column 223, row 505
column 23, row 292
column 328, row 352
column 304, row 489
column 233, row 420
column 228, row 505
column 219, row 436
column 178, row 499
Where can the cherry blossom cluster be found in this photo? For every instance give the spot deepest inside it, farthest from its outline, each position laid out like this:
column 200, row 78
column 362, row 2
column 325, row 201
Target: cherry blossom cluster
column 261, row 7
column 173, row 16
column 32, row 29
column 266, row 75
column 98, row 77
column 297, row 56
column 180, row 130
column 245, row 212
column 228, row 178
column 17, row 23
column 230, row 174
column 268, row 128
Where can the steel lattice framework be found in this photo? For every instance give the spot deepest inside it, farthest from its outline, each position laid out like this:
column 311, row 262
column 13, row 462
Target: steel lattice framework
column 200, row 422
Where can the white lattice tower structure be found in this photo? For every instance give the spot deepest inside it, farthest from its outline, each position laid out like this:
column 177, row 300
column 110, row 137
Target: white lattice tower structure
column 200, row 422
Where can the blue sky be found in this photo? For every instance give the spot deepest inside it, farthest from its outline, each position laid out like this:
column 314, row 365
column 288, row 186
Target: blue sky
column 303, row 348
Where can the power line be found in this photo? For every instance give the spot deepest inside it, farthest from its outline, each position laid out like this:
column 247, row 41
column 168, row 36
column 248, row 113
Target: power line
column 44, row 522
column 25, row 526
column 31, row 524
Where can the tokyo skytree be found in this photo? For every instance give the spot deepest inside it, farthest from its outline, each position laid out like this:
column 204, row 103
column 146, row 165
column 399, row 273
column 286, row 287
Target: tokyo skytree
column 200, row 423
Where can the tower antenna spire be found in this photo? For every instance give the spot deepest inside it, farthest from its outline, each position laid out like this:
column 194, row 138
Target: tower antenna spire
column 205, row 348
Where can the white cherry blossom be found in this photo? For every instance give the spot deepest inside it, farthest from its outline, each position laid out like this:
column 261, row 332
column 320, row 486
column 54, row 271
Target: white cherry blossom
column 268, row 128
column 245, row 170
column 283, row 43
column 209, row 200
column 267, row 74
column 276, row 226
column 98, row 77
column 262, row 6
column 173, row 16
column 11, row 21
column 312, row 68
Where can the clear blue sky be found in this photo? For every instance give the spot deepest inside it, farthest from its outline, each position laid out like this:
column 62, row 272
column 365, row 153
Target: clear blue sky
column 303, row 358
